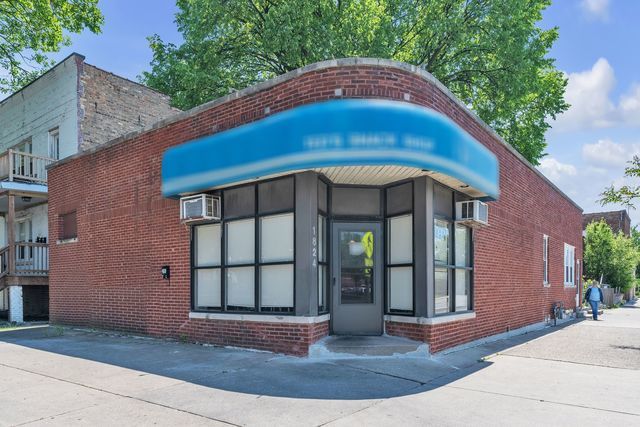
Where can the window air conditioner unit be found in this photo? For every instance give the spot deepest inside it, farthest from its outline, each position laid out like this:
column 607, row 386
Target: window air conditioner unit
column 473, row 213
column 200, row 207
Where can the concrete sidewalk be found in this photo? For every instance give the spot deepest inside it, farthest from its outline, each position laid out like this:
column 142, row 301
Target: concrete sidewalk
column 68, row 377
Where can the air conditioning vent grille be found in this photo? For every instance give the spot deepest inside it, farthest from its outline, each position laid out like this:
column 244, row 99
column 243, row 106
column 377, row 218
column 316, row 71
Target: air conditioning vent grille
column 202, row 207
column 473, row 213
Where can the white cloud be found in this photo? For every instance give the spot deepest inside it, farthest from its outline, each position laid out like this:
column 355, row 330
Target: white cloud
column 597, row 9
column 588, row 94
column 584, row 184
column 608, row 154
column 591, row 107
column 630, row 106
column 555, row 170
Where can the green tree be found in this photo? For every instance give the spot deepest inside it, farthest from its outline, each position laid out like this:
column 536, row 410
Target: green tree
column 598, row 248
column 612, row 257
column 627, row 194
column 491, row 54
column 624, row 261
column 29, row 29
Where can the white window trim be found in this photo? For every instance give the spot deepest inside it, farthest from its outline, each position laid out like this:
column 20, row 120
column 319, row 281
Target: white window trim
column 572, row 266
column 545, row 261
column 53, row 134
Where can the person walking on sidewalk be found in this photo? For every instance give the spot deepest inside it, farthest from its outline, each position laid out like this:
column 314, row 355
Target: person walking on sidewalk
column 594, row 296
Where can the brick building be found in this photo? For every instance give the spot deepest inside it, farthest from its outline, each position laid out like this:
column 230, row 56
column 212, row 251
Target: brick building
column 73, row 107
column 619, row 221
column 350, row 194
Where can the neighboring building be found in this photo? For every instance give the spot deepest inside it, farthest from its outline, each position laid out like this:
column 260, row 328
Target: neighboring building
column 619, row 221
column 338, row 217
column 72, row 107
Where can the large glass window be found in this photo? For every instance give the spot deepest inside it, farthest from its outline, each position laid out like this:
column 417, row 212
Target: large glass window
column 400, row 263
column 241, row 241
column 276, row 257
column 399, row 248
column 207, row 267
column 249, row 267
column 462, row 258
column 453, row 272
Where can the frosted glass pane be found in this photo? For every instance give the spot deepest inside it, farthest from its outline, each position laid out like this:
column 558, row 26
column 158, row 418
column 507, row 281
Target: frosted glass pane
column 401, row 239
column 276, row 238
column 401, row 288
column 208, row 288
column 240, row 287
column 240, row 241
column 462, row 254
column 207, row 245
column 442, row 290
column 441, row 241
column 462, row 289
column 277, row 286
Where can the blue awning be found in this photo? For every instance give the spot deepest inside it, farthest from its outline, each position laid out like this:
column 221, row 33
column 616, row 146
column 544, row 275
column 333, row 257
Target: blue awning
column 331, row 134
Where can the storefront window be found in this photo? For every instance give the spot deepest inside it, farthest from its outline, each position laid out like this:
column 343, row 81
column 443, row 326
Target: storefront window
column 240, row 288
column 207, row 279
column 276, row 256
column 240, row 242
column 442, row 290
column 463, row 267
column 255, row 272
column 452, row 257
column 400, row 263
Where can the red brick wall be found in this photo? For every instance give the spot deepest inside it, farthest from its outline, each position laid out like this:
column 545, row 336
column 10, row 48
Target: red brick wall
column 278, row 337
column 110, row 277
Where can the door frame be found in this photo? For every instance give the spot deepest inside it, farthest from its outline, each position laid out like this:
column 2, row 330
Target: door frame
column 334, row 263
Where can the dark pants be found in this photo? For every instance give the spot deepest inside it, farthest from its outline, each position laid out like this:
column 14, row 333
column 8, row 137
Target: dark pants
column 594, row 308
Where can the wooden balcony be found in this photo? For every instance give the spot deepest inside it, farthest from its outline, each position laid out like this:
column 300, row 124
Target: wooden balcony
column 24, row 263
column 24, row 167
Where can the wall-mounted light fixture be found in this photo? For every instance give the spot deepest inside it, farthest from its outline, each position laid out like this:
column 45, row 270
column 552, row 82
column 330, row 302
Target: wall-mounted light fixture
column 166, row 272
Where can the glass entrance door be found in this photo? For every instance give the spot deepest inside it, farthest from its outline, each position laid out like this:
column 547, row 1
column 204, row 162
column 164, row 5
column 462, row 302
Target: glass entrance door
column 357, row 279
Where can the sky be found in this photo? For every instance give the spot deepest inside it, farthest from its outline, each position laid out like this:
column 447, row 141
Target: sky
column 598, row 50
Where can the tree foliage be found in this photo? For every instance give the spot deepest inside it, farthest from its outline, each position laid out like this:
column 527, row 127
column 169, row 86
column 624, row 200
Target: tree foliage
column 612, row 257
column 491, row 54
column 29, row 29
column 627, row 194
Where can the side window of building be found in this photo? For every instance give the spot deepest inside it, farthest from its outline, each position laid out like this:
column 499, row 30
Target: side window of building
column 246, row 262
column 453, row 272
column 68, row 226
column 545, row 260
column 54, row 144
column 569, row 263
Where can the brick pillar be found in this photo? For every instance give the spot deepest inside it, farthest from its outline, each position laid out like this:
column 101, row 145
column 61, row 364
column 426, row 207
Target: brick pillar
column 15, row 304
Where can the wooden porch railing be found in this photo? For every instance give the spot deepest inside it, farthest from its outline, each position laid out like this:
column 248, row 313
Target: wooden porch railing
column 20, row 166
column 4, row 261
column 31, row 259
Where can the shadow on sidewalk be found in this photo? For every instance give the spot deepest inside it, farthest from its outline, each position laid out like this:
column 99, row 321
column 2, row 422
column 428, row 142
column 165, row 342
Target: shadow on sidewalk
column 244, row 371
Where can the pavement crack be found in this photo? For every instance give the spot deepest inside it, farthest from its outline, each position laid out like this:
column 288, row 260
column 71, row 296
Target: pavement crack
column 113, row 393
column 398, row 377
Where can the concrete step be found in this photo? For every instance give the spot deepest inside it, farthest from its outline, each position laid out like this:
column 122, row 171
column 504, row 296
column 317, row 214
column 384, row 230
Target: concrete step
column 340, row 347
